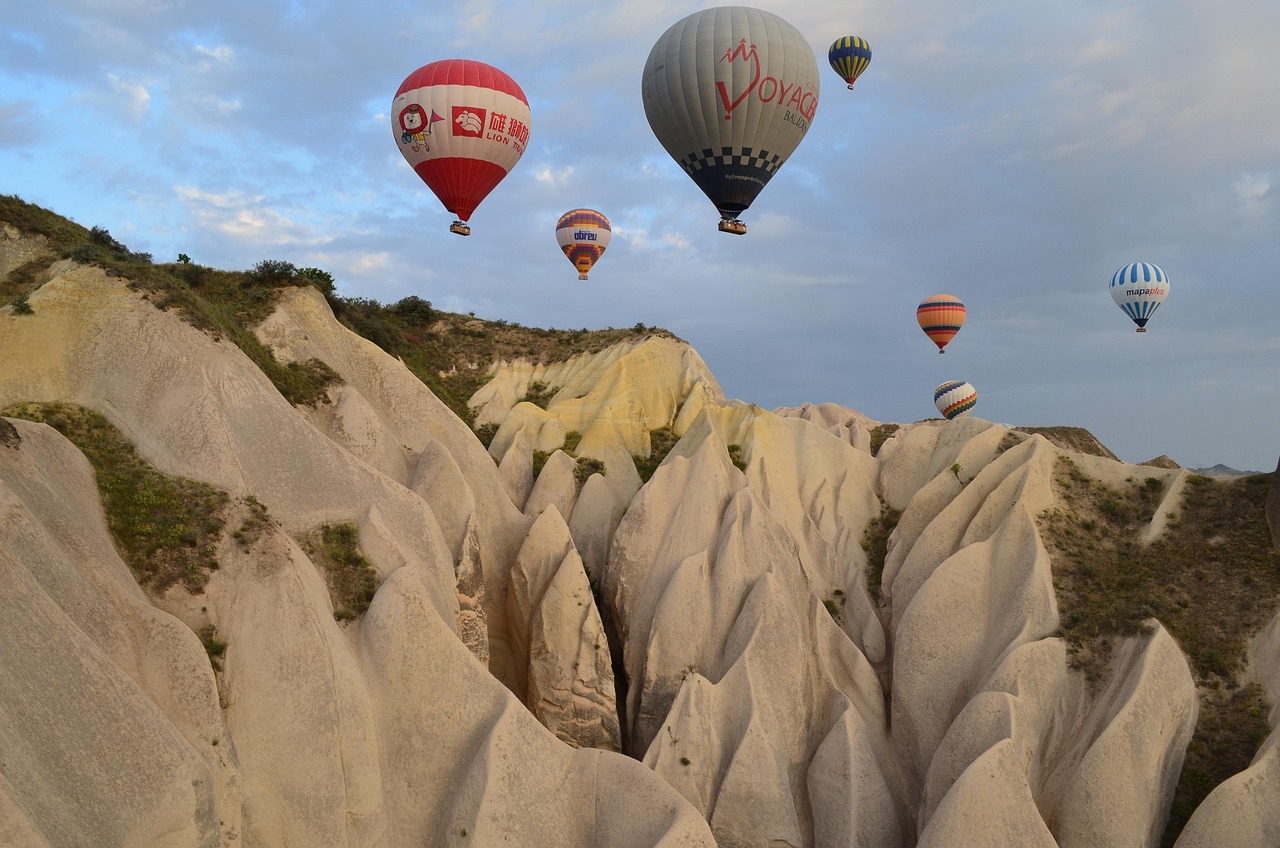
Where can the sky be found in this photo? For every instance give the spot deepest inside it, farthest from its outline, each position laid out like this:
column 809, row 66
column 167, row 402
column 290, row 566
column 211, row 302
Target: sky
column 1012, row 154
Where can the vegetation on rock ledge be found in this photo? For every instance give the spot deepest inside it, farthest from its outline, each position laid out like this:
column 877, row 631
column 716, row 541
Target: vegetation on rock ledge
column 351, row 579
column 166, row 528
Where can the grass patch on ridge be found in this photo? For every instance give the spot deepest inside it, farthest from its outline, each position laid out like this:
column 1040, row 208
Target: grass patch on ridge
column 166, row 529
column 351, row 579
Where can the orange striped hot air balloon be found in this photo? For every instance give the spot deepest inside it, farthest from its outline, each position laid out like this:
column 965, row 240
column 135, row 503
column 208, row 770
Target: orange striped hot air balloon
column 940, row 316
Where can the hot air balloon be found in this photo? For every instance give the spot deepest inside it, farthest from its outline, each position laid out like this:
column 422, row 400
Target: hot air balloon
column 462, row 125
column 730, row 92
column 1139, row 288
column 583, row 234
column 954, row 398
column 940, row 316
column 849, row 57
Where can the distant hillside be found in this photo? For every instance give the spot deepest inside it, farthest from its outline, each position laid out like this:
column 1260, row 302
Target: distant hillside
column 1072, row 438
column 1221, row 470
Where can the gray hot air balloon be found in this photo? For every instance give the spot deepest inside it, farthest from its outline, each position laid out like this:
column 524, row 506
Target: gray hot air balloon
column 730, row 92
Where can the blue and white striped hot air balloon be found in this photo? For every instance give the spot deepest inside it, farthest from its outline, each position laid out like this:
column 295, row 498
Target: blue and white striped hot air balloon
column 1139, row 288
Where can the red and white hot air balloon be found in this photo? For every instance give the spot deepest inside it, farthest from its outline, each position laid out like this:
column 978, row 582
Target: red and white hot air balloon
column 462, row 125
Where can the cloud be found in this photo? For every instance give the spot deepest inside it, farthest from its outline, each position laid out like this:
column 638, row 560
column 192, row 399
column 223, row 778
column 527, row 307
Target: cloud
column 1255, row 196
column 555, row 177
column 248, row 219
column 133, row 98
column 221, row 201
column 210, row 56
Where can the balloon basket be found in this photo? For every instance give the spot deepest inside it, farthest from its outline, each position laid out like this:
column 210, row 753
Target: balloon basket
column 735, row 227
column 1142, row 329
column 582, row 276
column 460, row 228
column 851, row 86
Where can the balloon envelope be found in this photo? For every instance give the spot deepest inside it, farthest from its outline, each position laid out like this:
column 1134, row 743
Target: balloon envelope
column 462, row 125
column 1139, row 288
column 849, row 57
column 583, row 234
column 940, row 316
column 954, row 398
column 730, row 92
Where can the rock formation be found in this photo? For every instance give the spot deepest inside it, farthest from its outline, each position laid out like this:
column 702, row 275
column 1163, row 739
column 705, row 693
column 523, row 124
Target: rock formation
column 695, row 659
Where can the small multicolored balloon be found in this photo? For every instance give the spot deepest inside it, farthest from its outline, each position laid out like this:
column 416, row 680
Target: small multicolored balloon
column 955, row 398
column 849, row 57
column 1139, row 288
column 940, row 316
column 583, row 234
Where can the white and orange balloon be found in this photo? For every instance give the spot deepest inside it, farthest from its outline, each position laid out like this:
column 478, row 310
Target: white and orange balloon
column 462, row 125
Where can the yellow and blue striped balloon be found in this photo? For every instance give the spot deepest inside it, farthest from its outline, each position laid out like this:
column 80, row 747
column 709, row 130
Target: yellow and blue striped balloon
column 849, row 56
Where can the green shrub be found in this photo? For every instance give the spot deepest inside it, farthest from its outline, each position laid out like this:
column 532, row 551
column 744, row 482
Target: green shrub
column 349, row 576
column 252, row 528
column 101, row 236
column 414, row 310
column 661, row 441
column 586, row 467
column 272, row 272
column 212, row 645
column 85, row 253
column 540, row 458
column 486, row 432
column 538, row 394
column 833, row 609
column 20, row 306
column 880, row 435
column 319, row 278
column 875, row 542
